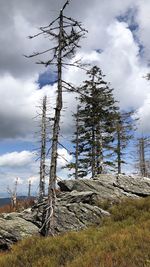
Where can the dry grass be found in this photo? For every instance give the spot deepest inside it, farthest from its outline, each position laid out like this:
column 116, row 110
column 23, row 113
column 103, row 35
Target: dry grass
column 122, row 241
column 21, row 204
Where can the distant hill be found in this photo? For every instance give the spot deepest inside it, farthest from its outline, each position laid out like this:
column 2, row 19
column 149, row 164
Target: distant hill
column 5, row 201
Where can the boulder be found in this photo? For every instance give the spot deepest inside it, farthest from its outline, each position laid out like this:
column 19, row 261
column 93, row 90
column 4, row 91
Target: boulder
column 13, row 228
column 139, row 186
column 110, row 187
column 74, row 211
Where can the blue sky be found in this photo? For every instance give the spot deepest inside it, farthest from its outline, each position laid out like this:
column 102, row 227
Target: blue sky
column 118, row 41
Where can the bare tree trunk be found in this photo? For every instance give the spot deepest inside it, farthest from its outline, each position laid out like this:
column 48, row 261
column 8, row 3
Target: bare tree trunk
column 118, row 150
column 13, row 194
column 142, row 157
column 48, row 222
column 67, row 40
column 43, row 151
column 29, row 189
column 93, row 153
column 77, row 144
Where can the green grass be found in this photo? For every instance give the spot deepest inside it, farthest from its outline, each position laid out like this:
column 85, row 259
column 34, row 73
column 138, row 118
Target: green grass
column 122, row 241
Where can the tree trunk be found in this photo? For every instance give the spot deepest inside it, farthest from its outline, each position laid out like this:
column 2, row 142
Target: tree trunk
column 48, row 220
column 142, row 157
column 77, row 144
column 93, row 153
column 43, row 151
column 99, row 150
column 29, row 189
column 118, row 149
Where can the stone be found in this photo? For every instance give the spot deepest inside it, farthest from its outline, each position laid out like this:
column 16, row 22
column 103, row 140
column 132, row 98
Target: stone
column 14, row 228
column 77, row 206
column 139, row 186
column 110, row 187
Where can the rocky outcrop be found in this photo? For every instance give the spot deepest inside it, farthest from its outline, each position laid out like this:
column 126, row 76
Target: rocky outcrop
column 14, row 228
column 78, row 206
column 110, row 186
column 74, row 211
column 134, row 185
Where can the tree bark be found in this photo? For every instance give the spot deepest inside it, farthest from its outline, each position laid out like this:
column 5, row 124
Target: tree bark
column 77, row 144
column 118, row 149
column 48, row 220
column 142, row 157
column 43, row 151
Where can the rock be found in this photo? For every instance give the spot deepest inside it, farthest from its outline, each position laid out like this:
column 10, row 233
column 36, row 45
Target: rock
column 13, row 228
column 74, row 211
column 139, row 186
column 110, row 186
column 77, row 197
column 77, row 206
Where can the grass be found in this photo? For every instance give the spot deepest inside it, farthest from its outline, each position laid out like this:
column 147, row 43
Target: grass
column 122, row 241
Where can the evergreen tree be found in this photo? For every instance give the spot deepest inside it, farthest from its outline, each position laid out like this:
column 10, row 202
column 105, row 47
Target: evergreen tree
column 97, row 112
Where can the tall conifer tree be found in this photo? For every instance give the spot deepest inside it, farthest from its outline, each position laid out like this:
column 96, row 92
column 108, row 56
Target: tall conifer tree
column 97, row 113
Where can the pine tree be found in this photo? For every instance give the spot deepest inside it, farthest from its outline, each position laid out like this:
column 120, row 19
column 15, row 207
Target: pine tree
column 97, row 112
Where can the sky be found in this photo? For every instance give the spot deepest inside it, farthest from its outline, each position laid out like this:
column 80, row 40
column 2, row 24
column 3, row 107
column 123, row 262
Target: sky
column 118, row 41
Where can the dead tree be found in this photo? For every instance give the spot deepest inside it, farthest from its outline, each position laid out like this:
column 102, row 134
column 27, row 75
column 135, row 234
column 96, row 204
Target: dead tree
column 43, row 150
column 13, row 194
column 66, row 32
column 77, row 144
column 29, row 189
column 143, row 156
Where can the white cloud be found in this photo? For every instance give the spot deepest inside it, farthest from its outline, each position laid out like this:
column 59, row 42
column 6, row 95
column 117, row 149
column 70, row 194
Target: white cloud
column 16, row 159
column 144, row 114
column 21, row 99
column 120, row 60
column 63, row 157
column 22, row 166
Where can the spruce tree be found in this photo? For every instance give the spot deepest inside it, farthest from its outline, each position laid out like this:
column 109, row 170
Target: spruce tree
column 97, row 112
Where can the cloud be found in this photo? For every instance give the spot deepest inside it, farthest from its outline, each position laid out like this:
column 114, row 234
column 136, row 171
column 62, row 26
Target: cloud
column 144, row 114
column 23, row 165
column 16, row 159
column 63, row 157
column 120, row 58
column 19, row 106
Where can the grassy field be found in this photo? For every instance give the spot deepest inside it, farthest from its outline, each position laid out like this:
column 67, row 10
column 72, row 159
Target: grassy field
column 122, row 241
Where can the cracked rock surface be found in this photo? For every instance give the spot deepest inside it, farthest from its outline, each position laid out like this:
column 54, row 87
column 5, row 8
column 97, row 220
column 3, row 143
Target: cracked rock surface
column 78, row 206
